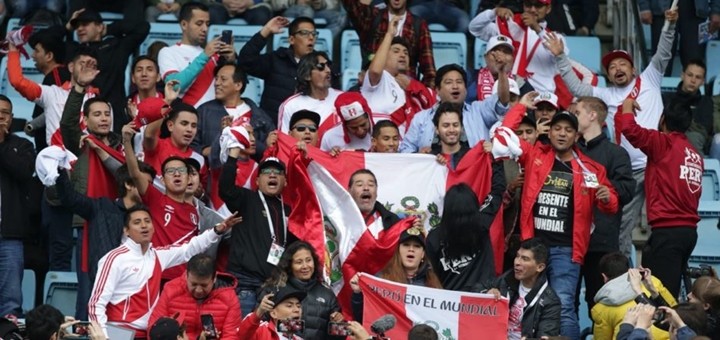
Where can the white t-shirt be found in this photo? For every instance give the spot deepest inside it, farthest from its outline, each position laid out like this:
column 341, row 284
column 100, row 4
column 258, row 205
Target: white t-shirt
column 176, row 58
column 238, row 111
column 384, row 98
column 516, row 314
column 650, row 101
column 324, row 107
column 335, row 137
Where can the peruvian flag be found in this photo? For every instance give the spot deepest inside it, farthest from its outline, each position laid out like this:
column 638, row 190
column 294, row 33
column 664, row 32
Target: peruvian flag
column 453, row 314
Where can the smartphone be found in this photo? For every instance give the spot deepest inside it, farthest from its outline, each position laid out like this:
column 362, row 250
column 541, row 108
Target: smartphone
column 82, row 328
column 208, row 326
column 339, row 328
column 292, row 326
column 226, row 36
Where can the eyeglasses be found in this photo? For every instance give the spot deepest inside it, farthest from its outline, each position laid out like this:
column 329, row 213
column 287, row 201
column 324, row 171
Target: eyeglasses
column 321, row 66
column 271, row 171
column 302, row 128
column 178, row 170
column 306, row 33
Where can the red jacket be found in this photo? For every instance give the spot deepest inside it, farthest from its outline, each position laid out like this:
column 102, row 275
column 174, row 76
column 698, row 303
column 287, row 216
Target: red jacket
column 673, row 176
column 222, row 304
column 538, row 160
column 252, row 328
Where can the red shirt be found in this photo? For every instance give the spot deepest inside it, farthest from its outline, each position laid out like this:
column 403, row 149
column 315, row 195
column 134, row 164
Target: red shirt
column 673, row 176
column 162, row 151
column 174, row 222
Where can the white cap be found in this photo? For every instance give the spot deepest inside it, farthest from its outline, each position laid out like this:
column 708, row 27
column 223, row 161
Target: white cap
column 351, row 111
column 547, row 97
column 497, row 41
column 514, row 88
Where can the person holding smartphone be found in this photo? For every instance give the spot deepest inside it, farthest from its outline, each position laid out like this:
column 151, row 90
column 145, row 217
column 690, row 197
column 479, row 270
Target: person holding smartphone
column 283, row 310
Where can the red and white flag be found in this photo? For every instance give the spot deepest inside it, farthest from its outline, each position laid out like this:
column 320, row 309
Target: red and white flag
column 453, row 314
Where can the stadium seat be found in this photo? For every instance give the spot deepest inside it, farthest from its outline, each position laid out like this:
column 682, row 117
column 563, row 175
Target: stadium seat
column 601, row 81
column 669, row 84
column 324, row 41
column 167, row 17
column 237, row 21
column 710, row 184
column 168, row 32
column 709, row 210
column 712, row 52
column 60, row 291
column 349, row 78
column 111, row 16
column 716, row 86
column 437, row 28
column 449, row 48
column 479, row 55
column 254, row 89
column 241, row 34
column 350, row 55
column 22, row 108
column 585, row 50
column 28, row 290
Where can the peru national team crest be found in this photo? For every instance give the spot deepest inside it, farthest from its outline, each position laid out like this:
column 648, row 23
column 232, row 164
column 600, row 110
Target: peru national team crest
column 692, row 170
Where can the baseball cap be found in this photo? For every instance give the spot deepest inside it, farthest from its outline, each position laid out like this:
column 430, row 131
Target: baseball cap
column 351, row 105
column 497, row 41
column 413, row 233
column 165, row 328
column 150, row 110
column 612, row 55
column 566, row 116
column 514, row 88
column 88, row 15
column 287, row 292
column 305, row 114
column 271, row 162
column 547, row 97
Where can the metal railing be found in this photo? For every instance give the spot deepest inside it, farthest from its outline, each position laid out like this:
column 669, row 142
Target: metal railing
column 628, row 31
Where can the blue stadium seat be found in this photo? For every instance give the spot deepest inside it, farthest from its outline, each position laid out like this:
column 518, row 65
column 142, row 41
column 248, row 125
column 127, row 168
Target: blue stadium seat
column 324, row 41
column 711, row 53
column 237, row 21
column 22, row 108
column 479, row 55
column 241, row 34
column 647, row 34
column 170, row 33
column 350, row 55
column 111, row 16
column 449, row 48
column 669, row 84
column 167, row 17
column 709, row 211
column 254, row 89
column 716, row 86
column 28, row 290
column 349, row 78
column 710, row 186
column 585, row 50
column 61, row 291
column 601, row 81
column 437, row 28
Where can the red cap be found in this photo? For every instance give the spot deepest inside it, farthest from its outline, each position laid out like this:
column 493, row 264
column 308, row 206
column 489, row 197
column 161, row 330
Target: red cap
column 150, row 110
column 612, row 55
column 351, row 105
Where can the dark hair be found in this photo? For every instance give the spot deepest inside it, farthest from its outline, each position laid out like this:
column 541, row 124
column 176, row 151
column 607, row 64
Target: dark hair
column 538, row 248
column 445, row 108
column 173, row 158
column 135, row 208
column 395, row 271
column 122, row 176
column 5, row 98
column 187, row 8
column 677, row 117
column 50, row 42
column 445, row 69
column 383, row 124
column 358, row 172
column 239, row 75
column 705, row 289
column 402, row 41
column 305, row 66
column 283, row 271
column 422, row 332
column 201, row 266
column 296, row 23
column 177, row 107
column 93, row 100
column 141, row 58
column 461, row 227
column 613, row 265
column 693, row 315
column 697, row 62
column 42, row 322
column 154, row 49
column 84, row 51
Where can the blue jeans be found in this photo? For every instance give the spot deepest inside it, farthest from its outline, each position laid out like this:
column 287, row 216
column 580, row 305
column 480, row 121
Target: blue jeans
column 11, row 273
column 563, row 275
column 440, row 12
column 248, row 301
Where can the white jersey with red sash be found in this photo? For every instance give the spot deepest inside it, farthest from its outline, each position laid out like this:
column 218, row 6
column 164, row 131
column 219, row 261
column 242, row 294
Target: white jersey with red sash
column 176, row 58
column 240, row 114
column 389, row 101
column 52, row 99
column 325, row 108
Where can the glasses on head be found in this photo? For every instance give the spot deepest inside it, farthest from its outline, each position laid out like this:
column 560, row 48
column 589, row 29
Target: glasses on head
column 321, row 66
column 306, row 33
column 178, row 170
column 271, row 171
column 302, row 128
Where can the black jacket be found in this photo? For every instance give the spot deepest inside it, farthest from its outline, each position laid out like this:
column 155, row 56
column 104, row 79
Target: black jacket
column 122, row 39
column 278, row 68
column 605, row 237
column 250, row 239
column 541, row 317
column 17, row 165
column 209, row 129
column 388, row 218
column 702, row 111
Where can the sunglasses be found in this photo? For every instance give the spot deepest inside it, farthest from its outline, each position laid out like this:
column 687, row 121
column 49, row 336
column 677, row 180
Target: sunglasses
column 306, row 33
column 178, row 170
column 321, row 66
column 302, row 128
column 271, row 171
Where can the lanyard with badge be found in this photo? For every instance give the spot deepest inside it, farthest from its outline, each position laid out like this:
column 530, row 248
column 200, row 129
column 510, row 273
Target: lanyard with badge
column 590, row 179
column 276, row 250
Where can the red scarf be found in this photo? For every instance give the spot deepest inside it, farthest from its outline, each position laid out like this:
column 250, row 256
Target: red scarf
column 485, row 83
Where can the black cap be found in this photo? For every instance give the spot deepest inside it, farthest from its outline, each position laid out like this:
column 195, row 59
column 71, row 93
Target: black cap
column 193, row 163
column 287, row 292
column 566, row 116
column 305, row 114
column 272, row 162
column 165, row 329
column 413, row 233
column 88, row 15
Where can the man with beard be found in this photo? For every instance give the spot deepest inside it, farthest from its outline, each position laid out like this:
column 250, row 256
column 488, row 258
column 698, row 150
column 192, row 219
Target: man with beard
column 354, row 131
column 645, row 89
column 448, row 128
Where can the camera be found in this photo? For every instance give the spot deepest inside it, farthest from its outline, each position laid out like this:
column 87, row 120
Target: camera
column 339, row 329
column 696, row 272
column 292, row 326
